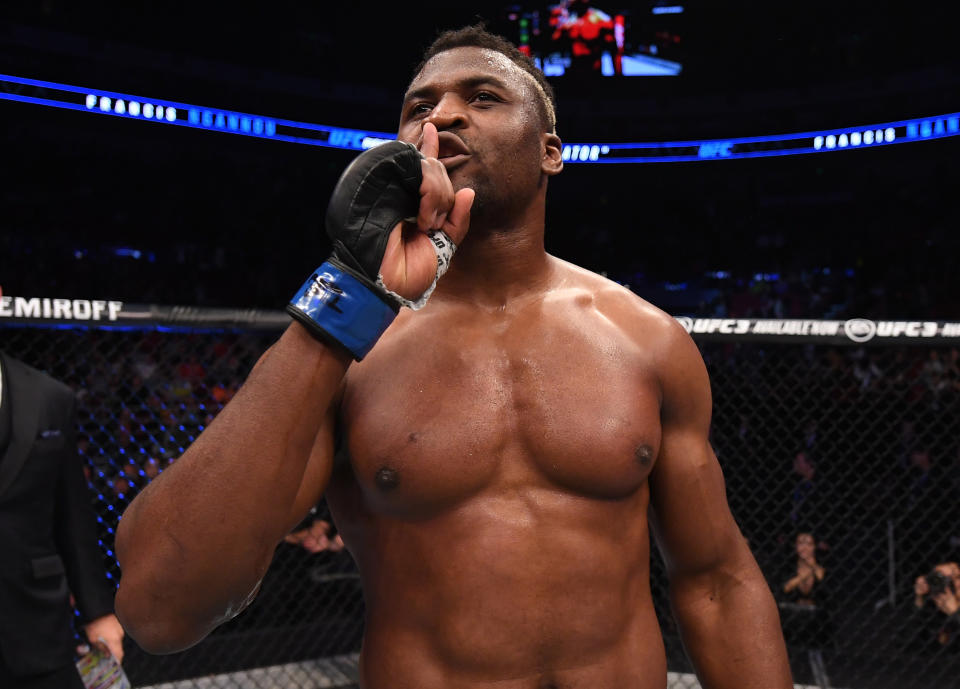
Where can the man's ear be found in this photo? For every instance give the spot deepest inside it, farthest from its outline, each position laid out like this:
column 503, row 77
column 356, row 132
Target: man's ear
column 552, row 162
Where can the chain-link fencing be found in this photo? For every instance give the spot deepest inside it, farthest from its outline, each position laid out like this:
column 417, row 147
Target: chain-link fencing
column 144, row 393
column 842, row 466
column 841, row 455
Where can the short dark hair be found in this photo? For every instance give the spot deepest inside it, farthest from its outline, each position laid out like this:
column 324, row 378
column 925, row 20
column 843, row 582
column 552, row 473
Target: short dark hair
column 477, row 36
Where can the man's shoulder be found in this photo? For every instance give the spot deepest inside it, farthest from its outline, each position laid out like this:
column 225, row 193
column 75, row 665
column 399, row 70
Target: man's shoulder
column 46, row 383
column 618, row 303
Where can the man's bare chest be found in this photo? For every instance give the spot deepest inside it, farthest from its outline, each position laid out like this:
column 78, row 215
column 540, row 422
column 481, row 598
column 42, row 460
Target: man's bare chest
column 437, row 416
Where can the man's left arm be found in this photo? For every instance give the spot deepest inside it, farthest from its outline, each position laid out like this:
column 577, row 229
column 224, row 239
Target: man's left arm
column 722, row 603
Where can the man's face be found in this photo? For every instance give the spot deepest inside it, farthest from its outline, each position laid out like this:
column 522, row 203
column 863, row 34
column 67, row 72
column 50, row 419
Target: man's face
column 491, row 133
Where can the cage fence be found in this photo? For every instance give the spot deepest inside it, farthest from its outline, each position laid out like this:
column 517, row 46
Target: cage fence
column 839, row 441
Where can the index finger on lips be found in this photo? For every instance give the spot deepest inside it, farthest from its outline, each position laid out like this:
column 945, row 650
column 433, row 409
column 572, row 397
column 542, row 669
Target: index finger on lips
column 430, row 141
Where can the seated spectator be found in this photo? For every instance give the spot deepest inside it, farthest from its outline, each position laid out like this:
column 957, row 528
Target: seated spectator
column 316, row 537
column 941, row 587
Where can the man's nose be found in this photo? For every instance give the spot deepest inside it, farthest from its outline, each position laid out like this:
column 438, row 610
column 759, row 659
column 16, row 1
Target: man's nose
column 449, row 113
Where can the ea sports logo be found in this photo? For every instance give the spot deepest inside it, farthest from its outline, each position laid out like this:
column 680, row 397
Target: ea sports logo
column 860, row 329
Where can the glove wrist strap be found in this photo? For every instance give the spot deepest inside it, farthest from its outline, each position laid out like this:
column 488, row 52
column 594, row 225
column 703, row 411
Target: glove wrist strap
column 335, row 305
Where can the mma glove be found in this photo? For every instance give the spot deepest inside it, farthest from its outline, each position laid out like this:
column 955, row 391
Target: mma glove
column 345, row 301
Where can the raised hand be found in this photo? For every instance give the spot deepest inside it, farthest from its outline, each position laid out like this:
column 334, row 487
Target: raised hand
column 380, row 261
column 410, row 262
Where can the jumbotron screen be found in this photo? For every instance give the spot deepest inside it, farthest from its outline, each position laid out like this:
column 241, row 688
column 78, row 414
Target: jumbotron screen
column 600, row 38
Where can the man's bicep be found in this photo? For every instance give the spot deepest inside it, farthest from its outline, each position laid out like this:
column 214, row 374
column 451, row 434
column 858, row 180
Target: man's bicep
column 690, row 516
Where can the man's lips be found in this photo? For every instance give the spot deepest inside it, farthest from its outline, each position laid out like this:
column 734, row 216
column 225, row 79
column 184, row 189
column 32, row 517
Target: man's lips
column 451, row 146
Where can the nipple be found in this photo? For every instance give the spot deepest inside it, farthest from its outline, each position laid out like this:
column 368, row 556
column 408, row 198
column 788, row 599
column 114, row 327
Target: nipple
column 644, row 455
column 387, row 479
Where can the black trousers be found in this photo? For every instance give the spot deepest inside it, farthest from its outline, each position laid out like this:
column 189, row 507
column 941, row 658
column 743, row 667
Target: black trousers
column 65, row 678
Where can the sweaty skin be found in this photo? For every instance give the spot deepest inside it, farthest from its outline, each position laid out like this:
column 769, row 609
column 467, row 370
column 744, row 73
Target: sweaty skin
column 500, row 446
column 495, row 464
column 495, row 491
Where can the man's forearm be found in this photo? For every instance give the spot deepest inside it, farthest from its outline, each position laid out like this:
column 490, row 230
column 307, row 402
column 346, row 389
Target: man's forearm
column 731, row 631
column 194, row 543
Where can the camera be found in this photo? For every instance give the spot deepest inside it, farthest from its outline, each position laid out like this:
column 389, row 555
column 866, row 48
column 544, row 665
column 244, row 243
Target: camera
column 938, row 582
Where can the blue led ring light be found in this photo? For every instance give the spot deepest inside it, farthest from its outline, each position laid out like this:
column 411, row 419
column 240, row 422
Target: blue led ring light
column 216, row 119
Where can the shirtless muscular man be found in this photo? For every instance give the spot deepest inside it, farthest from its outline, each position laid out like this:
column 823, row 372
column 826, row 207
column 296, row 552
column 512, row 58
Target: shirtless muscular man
column 494, row 460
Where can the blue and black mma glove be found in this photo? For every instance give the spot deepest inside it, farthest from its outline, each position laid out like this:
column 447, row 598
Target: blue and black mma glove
column 345, row 301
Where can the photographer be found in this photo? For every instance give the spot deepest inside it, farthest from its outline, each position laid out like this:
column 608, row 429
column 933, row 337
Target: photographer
column 941, row 586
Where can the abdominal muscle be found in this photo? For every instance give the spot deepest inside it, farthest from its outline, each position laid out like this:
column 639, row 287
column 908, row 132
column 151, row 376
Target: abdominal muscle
column 538, row 589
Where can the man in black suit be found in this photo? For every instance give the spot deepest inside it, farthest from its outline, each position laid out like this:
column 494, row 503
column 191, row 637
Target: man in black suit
column 48, row 536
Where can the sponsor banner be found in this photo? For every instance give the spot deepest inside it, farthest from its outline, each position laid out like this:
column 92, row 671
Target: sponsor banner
column 45, row 308
column 101, row 313
column 107, row 313
column 855, row 330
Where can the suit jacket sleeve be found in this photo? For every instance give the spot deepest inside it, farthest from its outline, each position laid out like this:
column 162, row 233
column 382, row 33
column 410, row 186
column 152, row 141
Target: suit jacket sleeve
column 76, row 531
